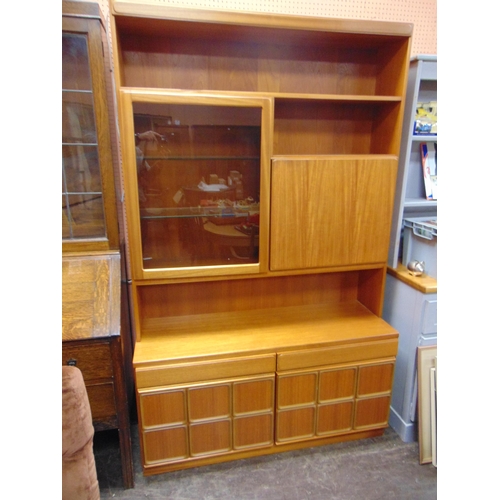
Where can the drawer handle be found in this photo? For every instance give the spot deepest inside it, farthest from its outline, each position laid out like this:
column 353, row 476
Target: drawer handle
column 71, row 362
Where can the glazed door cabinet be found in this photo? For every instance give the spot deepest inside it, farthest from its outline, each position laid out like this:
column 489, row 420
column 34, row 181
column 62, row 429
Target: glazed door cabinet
column 89, row 216
column 197, row 183
column 332, row 400
column 196, row 421
column 330, row 211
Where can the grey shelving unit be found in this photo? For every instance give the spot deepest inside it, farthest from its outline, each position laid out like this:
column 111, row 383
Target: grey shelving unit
column 407, row 308
column 410, row 200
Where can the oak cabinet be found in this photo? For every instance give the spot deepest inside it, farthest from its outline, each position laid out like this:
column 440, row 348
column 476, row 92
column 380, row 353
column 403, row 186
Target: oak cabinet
column 89, row 215
column 259, row 157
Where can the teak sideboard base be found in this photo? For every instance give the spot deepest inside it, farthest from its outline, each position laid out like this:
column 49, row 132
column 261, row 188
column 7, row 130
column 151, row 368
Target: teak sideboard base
column 214, row 387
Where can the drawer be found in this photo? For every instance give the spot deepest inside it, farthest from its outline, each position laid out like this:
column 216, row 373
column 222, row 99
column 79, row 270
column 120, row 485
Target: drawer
column 102, row 400
column 154, row 376
column 349, row 353
column 94, row 360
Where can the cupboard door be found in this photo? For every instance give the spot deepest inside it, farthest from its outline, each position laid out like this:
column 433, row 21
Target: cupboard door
column 200, row 420
column 332, row 400
column 253, row 412
column 330, row 211
column 209, row 418
column 196, row 174
column 373, row 395
column 315, row 403
column 164, row 423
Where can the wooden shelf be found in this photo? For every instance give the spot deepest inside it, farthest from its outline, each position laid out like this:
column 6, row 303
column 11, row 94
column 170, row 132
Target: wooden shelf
column 219, row 335
column 424, row 283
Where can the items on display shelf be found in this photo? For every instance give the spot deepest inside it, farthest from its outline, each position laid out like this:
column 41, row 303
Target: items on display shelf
column 420, row 244
column 429, row 168
column 426, row 118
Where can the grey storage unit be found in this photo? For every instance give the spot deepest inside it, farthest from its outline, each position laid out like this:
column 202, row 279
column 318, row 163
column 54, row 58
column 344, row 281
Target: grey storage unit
column 414, row 314
column 408, row 307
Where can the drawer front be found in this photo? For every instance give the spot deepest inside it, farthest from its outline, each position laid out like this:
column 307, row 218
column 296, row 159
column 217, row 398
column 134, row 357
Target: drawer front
column 157, row 376
column 94, row 360
column 102, row 400
column 309, row 358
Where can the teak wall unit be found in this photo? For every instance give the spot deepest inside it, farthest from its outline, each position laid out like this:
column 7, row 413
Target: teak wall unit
column 257, row 293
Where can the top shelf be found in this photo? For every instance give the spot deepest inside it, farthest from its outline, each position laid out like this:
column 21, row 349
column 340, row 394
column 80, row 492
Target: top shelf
column 195, row 50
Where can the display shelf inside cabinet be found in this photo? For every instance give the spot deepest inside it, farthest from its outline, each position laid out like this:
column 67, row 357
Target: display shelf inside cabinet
column 302, row 117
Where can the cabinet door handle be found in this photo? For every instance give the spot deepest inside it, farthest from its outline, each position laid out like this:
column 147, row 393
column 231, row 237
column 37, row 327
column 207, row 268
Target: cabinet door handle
column 71, row 362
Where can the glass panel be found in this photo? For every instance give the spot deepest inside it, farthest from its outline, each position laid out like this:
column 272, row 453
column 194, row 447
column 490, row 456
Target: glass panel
column 78, row 123
column 198, row 171
column 82, row 204
column 82, row 216
column 75, row 65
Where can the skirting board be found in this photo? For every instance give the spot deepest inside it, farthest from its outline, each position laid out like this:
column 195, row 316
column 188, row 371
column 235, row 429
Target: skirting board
column 408, row 432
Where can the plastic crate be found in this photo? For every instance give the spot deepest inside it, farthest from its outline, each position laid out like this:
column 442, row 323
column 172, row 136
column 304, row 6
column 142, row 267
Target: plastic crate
column 420, row 243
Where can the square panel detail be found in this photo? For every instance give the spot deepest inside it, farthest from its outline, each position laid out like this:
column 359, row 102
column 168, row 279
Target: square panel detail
column 375, row 379
column 294, row 390
column 253, row 396
column 166, row 408
column 295, row 424
column 254, row 431
column 210, row 437
column 335, row 418
column 373, row 412
column 165, row 445
column 337, row 384
column 209, row 402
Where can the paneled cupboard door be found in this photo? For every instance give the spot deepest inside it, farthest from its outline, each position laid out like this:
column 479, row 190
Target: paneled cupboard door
column 201, row 420
column 197, row 183
column 332, row 401
column 330, row 210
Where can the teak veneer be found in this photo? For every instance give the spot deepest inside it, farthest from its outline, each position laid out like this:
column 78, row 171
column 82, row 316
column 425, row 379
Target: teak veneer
column 281, row 347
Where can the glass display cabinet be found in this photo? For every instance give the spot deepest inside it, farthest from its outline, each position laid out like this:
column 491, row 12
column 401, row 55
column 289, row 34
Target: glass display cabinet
column 197, row 183
column 89, row 220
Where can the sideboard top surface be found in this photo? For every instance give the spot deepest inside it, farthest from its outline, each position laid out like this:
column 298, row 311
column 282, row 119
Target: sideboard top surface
column 90, row 296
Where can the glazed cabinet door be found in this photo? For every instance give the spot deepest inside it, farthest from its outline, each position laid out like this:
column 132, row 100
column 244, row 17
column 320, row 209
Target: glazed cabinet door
column 197, row 183
column 89, row 218
column 330, row 211
column 202, row 420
